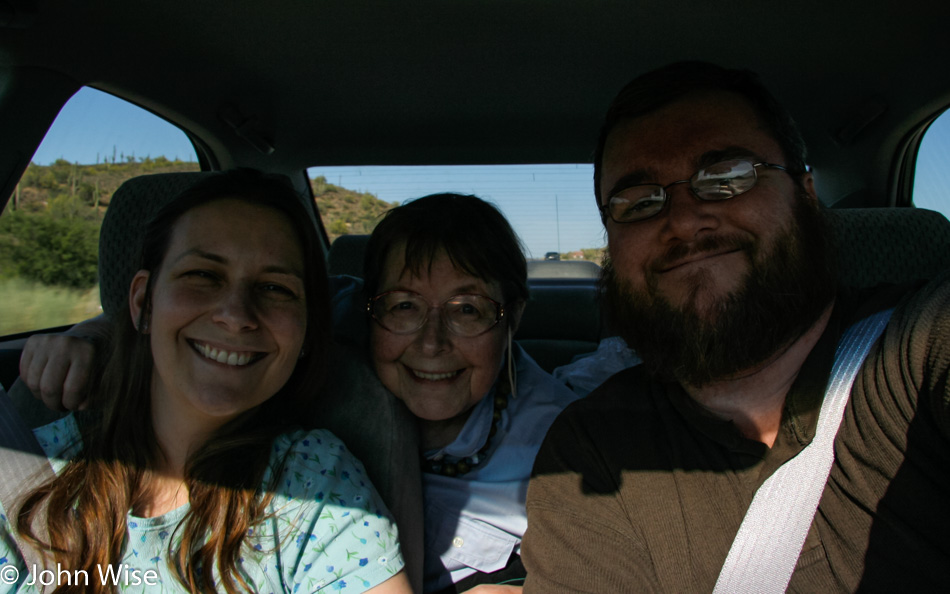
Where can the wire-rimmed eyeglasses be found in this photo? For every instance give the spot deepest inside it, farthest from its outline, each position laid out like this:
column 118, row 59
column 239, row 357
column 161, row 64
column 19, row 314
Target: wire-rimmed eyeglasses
column 405, row 312
column 721, row 181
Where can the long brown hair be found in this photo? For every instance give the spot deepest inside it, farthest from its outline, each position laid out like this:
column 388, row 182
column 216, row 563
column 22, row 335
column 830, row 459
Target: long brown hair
column 86, row 505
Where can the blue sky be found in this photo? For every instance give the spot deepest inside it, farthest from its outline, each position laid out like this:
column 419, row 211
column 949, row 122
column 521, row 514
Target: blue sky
column 550, row 206
column 932, row 183
column 92, row 123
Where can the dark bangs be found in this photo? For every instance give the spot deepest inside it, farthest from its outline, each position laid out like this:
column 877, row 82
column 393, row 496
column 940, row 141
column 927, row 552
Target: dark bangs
column 474, row 235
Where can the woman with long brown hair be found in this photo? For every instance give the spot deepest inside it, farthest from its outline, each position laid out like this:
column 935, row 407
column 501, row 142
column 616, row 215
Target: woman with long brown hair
column 190, row 475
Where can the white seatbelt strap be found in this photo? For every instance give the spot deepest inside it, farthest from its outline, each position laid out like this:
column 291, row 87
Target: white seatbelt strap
column 23, row 467
column 770, row 539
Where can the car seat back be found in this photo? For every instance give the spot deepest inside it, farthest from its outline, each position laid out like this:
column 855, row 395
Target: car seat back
column 132, row 206
column 888, row 245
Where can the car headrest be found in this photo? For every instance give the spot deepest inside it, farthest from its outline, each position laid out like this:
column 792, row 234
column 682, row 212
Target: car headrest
column 133, row 204
column 888, row 245
column 347, row 254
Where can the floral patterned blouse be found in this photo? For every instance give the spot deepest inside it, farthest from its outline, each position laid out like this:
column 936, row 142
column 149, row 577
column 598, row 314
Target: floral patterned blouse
column 327, row 530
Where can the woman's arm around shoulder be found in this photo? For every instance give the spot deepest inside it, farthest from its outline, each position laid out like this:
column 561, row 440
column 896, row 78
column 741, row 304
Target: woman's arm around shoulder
column 58, row 367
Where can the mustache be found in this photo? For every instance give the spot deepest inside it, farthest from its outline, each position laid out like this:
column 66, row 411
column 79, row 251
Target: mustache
column 713, row 243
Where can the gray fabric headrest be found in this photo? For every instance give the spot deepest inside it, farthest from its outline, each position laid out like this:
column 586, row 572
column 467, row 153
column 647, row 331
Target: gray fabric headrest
column 120, row 240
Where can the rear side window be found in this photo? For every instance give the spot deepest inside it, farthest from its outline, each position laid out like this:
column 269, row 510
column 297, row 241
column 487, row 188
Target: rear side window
column 932, row 176
column 49, row 229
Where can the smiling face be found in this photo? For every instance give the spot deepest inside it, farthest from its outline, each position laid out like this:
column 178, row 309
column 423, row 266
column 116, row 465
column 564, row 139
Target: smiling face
column 440, row 376
column 685, row 287
column 695, row 253
column 228, row 312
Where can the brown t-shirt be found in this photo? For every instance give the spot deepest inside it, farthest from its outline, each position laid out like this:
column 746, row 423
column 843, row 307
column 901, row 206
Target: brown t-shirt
column 638, row 489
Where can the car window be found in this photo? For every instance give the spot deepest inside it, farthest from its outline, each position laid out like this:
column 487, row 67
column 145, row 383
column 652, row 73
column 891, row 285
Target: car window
column 932, row 175
column 550, row 206
column 49, row 228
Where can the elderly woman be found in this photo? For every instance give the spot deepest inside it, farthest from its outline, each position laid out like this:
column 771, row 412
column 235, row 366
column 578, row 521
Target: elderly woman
column 446, row 284
column 445, row 287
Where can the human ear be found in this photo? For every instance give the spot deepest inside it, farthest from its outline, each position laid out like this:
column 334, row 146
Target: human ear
column 808, row 183
column 137, row 293
column 513, row 313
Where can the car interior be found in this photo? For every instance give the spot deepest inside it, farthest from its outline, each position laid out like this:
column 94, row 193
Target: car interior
column 287, row 86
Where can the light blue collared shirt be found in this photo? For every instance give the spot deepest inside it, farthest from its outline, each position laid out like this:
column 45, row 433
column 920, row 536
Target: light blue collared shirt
column 473, row 523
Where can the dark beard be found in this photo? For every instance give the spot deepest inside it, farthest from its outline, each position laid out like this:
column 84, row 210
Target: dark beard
column 783, row 294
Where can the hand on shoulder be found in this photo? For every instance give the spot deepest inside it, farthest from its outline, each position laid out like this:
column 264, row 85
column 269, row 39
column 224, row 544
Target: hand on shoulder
column 57, row 368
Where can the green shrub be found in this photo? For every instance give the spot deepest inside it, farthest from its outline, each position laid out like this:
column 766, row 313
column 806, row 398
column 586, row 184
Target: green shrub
column 338, row 227
column 53, row 250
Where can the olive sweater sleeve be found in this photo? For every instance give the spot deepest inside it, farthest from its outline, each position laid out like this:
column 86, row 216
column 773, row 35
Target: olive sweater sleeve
column 930, row 333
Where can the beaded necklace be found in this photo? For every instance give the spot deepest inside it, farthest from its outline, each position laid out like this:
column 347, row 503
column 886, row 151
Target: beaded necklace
column 466, row 464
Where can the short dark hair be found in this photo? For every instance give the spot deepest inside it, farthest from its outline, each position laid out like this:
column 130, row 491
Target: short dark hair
column 473, row 233
column 663, row 86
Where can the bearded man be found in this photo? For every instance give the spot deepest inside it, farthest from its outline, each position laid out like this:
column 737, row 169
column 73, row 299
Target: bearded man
column 721, row 277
